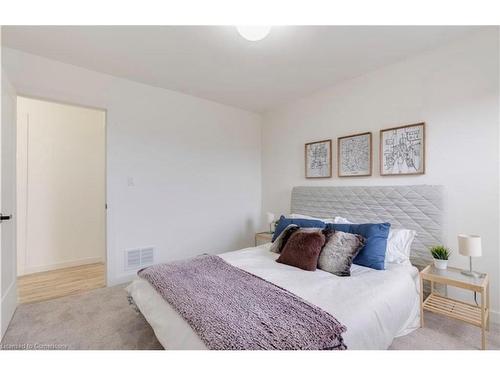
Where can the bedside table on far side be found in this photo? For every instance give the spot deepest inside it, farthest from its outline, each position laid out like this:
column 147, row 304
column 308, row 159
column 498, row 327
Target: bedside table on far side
column 478, row 316
column 262, row 238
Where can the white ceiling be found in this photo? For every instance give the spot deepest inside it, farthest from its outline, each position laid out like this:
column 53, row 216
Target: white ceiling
column 215, row 63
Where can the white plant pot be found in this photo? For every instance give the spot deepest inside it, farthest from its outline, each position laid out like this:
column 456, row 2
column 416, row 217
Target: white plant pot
column 440, row 264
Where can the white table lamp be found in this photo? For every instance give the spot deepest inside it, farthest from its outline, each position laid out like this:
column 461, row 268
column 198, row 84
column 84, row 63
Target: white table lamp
column 470, row 245
column 270, row 220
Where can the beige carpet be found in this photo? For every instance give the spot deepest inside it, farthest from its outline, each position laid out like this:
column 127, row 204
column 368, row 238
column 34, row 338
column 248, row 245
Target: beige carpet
column 99, row 319
column 103, row 319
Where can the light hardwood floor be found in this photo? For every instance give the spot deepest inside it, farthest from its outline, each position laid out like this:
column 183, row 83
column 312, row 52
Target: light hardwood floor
column 43, row 286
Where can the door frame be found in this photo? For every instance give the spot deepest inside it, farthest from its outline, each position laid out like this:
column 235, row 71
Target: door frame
column 106, row 219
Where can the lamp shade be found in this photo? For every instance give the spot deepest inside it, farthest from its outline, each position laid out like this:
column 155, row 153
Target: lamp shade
column 270, row 217
column 469, row 245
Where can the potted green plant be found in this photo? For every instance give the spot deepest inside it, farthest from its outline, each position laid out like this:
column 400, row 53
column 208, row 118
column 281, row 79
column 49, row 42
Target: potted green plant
column 440, row 255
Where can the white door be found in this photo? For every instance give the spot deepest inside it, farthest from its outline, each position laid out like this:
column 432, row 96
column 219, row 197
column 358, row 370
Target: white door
column 8, row 205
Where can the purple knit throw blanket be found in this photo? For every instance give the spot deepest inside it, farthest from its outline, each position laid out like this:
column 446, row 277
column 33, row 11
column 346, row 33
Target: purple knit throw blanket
column 231, row 309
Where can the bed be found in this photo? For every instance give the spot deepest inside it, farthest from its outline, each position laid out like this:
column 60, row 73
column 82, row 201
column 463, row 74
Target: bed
column 375, row 306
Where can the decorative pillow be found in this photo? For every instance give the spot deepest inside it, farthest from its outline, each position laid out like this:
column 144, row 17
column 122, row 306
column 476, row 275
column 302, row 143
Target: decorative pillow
column 339, row 251
column 303, row 223
column 372, row 254
column 278, row 244
column 302, row 249
column 398, row 243
column 299, row 216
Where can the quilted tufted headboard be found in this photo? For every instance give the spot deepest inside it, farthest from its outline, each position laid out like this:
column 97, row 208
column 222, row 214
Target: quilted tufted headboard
column 417, row 207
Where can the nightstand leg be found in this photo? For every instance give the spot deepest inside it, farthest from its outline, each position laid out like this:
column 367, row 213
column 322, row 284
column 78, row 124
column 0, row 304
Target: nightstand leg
column 488, row 306
column 483, row 321
column 421, row 302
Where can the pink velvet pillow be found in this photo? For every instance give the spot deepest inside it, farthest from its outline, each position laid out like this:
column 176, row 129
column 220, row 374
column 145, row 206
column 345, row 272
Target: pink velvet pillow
column 302, row 249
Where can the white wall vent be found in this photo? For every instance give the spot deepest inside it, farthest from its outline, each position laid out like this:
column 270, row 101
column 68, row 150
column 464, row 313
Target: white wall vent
column 139, row 258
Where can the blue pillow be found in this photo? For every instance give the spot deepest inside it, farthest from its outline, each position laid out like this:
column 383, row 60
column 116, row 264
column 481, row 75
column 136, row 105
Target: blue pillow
column 373, row 253
column 302, row 223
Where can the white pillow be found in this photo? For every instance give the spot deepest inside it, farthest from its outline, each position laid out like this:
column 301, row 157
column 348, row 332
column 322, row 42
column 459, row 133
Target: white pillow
column 398, row 243
column 299, row 216
column 399, row 246
column 341, row 220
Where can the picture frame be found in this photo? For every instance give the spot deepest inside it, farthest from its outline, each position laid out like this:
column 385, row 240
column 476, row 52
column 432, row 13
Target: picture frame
column 355, row 155
column 318, row 159
column 402, row 150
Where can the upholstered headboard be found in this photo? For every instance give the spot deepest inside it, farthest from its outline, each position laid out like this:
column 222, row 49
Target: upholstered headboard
column 417, row 207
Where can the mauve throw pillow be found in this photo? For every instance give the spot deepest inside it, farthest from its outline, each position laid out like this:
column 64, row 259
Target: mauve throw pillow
column 302, row 249
column 339, row 251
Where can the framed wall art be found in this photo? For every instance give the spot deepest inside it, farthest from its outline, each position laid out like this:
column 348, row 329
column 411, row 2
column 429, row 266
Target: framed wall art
column 354, row 155
column 318, row 159
column 402, row 150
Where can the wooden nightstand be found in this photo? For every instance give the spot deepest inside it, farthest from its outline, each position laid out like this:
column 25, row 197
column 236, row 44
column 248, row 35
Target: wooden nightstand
column 466, row 312
column 262, row 238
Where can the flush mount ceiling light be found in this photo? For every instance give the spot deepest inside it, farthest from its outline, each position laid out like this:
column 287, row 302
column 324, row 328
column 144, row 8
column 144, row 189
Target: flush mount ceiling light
column 253, row 33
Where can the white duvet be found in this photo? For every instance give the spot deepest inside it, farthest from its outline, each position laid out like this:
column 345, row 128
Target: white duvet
column 375, row 306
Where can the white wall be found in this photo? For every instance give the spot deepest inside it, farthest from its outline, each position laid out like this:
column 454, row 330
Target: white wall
column 61, row 169
column 454, row 90
column 183, row 173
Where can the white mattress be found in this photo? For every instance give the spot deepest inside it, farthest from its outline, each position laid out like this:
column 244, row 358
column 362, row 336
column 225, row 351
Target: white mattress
column 375, row 306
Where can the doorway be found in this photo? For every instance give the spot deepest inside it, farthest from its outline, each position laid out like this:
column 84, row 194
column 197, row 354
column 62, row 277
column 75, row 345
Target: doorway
column 61, row 198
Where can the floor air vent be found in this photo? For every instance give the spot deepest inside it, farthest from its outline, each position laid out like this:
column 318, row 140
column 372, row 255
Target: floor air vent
column 139, row 258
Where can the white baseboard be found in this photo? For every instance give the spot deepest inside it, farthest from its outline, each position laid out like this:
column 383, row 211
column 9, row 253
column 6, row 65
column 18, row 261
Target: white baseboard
column 8, row 306
column 56, row 266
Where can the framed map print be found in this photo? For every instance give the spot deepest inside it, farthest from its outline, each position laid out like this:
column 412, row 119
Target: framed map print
column 402, row 150
column 354, row 155
column 318, row 159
